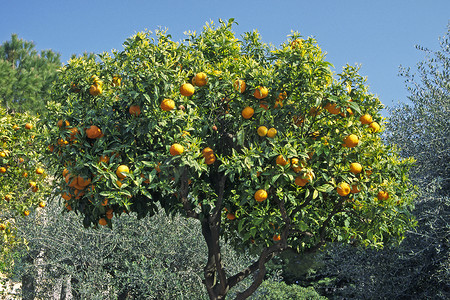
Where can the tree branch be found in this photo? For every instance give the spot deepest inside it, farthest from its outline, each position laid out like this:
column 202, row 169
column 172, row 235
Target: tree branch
column 184, row 191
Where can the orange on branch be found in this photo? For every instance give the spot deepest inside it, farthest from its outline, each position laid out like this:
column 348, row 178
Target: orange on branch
column 343, row 189
column 122, row 169
column 261, row 92
column 187, row 89
column 262, row 131
column 239, row 85
column 365, row 119
column 355, row 168
column 176, row 149
column 135, row 110
column 351, row 140
column 247, row 112
column 167, row 104
column 200, row 79
column 260, row 195
column 271, row 133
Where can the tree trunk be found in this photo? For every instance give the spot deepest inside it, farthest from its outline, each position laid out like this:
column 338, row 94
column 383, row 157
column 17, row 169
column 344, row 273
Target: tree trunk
column 28, row 285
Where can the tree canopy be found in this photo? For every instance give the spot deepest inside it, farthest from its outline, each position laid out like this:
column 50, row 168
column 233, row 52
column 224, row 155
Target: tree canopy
column 263, row 145
column 26, row 76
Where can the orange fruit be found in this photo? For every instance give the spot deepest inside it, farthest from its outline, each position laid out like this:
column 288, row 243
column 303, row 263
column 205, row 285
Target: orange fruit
column 261, row 92
column 200, row 79
column 2, row 154
column 351, row 140
column 8, row 198
column 119, row 183
column 62, row 123
column 93, row 132
column 262, row 130
column 122, row 169
column 39, row 171
column 271, row 133
column 231, row 216
column 276, row 237
column 207, row 151
column 134, row 110
column 167, row 104
column 73, row 132
column 355, row 168
column 176, row 149
column 296, row 165
column 42, row 204
column 104, row 159
column 247, row 112
column 109, row 213
column 374, row 127
column 81, row 182
column 304, row 179
column 15, row 127
column 2, row 227
column 26, row 213
column 95, row 89
column 2, row 170
column 24, row 174
column 382, row 195
column 34, row 189
column 187, row 89
column 343, row 189
column 332, row 108
column 66, row 196
column 102, row 221
column 239, row 85
column 105, row 202
column 260, row 195
column 297, row 120
column 365, row 119
column 28, row 126
column 210, row 159
column 281, row 161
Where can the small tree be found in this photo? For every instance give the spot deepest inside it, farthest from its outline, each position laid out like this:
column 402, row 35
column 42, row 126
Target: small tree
column 261, row 145
column 26, row 75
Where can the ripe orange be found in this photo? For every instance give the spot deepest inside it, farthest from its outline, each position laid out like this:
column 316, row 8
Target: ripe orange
column 66, row 196
column 304, row 179
column 62, row 123
column 39, row 171
column 210, row 159
column 247, row 112
column 261, row 92
column 82, row 182
column 102, row 221
column 2, row 170
column 271, row 133
column 26, row 213
column 200, row 79
column 382, row 195
column 42, row 204
column 296, row 165
column 260, row 195
column 262, row 130
column 93, row 132
column 187, row 89
column 167, row 104
column 73, row 132
column 231, row 216
column 134, row 110
column 239, row 85
column 109, row 213
column 2, row 154
column 365, row 119
column 355, row 168
column 28, row 126
column 351, row 140
column 207, row 151
column 2, row 227
column 281, row 161
column 95, row 89
column 374, row 127
column 276, row 237
column 104, row 159
column 343, row 189
column 8, row 197
column 122, row 169
column 176, row 149
column 263, row 104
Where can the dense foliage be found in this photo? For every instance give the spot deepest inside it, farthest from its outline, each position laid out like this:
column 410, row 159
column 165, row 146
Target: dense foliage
column 264, row 148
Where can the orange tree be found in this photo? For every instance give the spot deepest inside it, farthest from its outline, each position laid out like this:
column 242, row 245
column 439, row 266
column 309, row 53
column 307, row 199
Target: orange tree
column 262, row 145
column 22, row 176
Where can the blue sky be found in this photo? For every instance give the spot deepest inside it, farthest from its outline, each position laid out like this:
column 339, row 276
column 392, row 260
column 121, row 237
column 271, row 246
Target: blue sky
column 380, row 35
